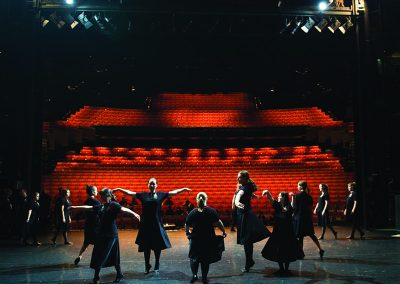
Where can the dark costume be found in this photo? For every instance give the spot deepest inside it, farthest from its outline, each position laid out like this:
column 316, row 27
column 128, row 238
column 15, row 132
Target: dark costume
column 282, row 246
column 324, row 220
column 205, row 246
column 151, row 233
column 60, row 225
column 353, row 219
column 302, row 216
column 106, row 247
column 249, row 228
column 91, row 222
column 32, row 226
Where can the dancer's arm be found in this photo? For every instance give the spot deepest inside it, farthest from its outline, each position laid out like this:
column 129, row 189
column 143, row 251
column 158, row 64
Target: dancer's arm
column 29, row 215
column 237, row 199
column 130, row 212
column 268, row 194
column 354, row 207
column 63, row 215
column 326, row 206
column 82, row 207
column 220, row 226
column 126, row 191
column 179, row 190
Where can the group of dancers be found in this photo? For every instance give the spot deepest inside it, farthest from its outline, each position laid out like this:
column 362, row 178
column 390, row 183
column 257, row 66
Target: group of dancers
column 292, row 222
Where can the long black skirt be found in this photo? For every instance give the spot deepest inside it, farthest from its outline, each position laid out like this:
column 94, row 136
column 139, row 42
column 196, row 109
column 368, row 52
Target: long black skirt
column 207, row 251
column 323, row 220
column 105, row 253
column 152, row 236
column 250, row 229
column 282, row 248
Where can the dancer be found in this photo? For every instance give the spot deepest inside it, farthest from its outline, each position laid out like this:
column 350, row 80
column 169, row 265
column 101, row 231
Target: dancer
column 106, row 247
column 63, row 218
column 91, row 221
column 322, row 211
column 351, row 212
column 199, row 227
column 302, row 216
column 249, row 228
column 282, row 246
column 32, row 220
column 152, row 235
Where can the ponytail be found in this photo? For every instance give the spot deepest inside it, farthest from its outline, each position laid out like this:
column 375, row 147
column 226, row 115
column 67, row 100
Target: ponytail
column 201, row 199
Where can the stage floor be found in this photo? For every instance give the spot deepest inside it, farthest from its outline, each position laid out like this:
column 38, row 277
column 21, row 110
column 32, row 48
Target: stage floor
column 373, row 260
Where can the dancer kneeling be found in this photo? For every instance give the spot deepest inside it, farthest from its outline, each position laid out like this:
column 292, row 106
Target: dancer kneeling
column 282, row 246
column 106, row 247
column 205, row 246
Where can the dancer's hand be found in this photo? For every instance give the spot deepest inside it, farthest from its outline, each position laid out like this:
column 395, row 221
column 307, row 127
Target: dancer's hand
column 137, row 216
column 265, row 192
column 240, row 205
column 224, row 234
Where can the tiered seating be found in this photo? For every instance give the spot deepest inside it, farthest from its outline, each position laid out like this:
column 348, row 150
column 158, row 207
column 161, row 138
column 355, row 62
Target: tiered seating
column 235, row 101
column 211, row 170
column 101, row 116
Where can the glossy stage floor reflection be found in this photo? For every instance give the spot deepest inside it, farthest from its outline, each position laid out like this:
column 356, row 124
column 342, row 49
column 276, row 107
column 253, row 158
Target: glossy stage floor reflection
column 373, row 260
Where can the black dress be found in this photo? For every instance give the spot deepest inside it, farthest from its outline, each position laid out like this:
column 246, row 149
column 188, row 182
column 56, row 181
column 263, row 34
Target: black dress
column 205, row 246
column 91, row 221
column 249, row 228
column 151, row 233
column 32, row 226
column 325, row 219
column 282, row 246
column 59, row 217
column 106, row 247
column 302, row 216
column 349, row 207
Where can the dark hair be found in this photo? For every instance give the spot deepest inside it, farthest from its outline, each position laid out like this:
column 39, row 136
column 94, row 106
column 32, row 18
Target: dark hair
column 303, row 184
column 90, row 189
column 63, row 191
column 324, row 187
column 353, row 185
column 285, row 197
column 106, row 192
column 245, row 174
column 201, row 199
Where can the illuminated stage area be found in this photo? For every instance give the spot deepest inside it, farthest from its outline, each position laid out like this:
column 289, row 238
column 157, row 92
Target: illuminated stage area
column 373, row 260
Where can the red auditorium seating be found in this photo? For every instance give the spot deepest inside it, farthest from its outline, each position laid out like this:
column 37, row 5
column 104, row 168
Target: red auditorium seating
column 211, row 170
column 199, row 110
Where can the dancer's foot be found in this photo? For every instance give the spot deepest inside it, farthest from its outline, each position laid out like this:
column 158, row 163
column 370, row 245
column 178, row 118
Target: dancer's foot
column 76, row 261
column 351, row 237
column 205, row 280
column 335, row 234
column 96, row 280
column 68, row 243
column 36, row 243
column 321, row 254
column 53, row 242
column 321, row 238
column 194, row 278
column 118, row 278
column 248, row 266
column 147, row 269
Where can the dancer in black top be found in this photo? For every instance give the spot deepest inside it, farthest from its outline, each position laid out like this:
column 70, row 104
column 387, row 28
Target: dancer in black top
column 250, row 228
column 32, row 220
column 106, row 247
column 63, row 218
column 352, row 212
column 302, row 216
column 322, row 211
column 91, row 221
column 282, row 246
column 152, row 235
column 204, row 247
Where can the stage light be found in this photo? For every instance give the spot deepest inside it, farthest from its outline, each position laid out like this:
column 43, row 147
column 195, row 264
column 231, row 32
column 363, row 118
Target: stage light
column 71, row 21
column 287, row 25
column 323, row 6
column 69, row 2
column 297, row 26
column 348, row 24
column 335, row 25
column 321, row 25
column 43, row 21
column 85, row 21
column 56, row 20
column 308, row 25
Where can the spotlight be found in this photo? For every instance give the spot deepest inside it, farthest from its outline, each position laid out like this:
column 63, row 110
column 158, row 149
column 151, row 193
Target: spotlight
column 287, row 25
column 335, row 25
column 85, row 21
column 297, row 26
column 56, row 20
column 69, row 2
column 348, row 24
column 321, row 25
column 308, row 25
column 71, row 21
column 323, row 6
